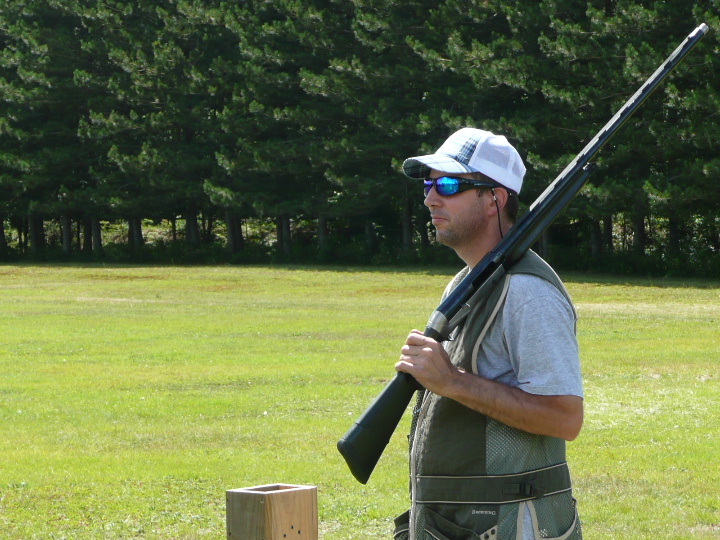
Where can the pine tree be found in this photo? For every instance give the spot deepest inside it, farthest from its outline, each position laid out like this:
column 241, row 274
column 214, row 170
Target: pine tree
column 45, row 164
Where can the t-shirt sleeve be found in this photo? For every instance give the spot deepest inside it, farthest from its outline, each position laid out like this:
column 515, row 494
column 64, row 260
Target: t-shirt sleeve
column 539, row 330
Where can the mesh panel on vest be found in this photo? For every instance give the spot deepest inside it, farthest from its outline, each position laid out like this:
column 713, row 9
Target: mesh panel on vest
column 413, row 422
column 553, row 513
column 419, row 532
column 510, row 450
column 507, row 522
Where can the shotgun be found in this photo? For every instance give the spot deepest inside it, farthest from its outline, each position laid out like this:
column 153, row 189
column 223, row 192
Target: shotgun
column 365, row 441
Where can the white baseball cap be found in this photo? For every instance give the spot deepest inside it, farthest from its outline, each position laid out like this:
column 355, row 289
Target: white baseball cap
column 471, row 150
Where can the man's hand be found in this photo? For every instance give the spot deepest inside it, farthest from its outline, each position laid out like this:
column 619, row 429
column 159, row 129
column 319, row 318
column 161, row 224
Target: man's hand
column 427, row 361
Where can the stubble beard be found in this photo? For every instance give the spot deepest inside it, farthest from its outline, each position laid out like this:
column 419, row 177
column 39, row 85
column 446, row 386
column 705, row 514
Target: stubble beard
column 463, row 231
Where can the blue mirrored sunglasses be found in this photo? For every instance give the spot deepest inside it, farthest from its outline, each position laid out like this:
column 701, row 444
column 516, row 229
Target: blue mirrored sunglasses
column 450, row 185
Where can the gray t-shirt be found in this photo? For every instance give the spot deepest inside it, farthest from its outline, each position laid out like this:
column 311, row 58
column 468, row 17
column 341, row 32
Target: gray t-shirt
column 532, row 344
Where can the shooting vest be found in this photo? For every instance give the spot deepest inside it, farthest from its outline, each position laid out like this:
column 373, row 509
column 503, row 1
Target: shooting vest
column 471, row 477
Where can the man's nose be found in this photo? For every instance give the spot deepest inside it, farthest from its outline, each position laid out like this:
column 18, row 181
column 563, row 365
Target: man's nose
column 432, row 198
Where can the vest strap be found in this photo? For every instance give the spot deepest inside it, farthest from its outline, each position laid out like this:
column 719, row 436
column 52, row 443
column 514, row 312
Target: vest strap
column 499, row 489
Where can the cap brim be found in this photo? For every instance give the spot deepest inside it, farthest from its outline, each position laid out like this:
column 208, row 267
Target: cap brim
column 419, row 167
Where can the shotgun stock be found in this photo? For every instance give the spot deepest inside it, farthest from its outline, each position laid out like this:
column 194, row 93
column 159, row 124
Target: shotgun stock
column 365, row 441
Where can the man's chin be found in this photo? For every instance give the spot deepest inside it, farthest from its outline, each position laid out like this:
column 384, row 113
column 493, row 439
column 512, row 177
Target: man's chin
column 443, row 239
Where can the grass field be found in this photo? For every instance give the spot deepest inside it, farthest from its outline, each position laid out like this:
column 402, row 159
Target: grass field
column 132, row 398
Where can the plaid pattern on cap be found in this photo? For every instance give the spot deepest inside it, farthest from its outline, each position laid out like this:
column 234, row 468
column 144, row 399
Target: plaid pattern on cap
column 472, row 150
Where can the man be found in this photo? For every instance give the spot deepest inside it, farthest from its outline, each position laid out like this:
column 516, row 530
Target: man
column 503, row 393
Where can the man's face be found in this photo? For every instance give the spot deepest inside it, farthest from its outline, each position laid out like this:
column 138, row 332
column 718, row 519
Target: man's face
column 460, row 219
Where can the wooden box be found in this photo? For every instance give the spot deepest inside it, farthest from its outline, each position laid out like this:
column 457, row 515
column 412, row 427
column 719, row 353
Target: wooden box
column 272, row 512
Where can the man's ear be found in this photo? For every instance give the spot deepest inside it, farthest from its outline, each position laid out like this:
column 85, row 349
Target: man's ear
column 501, row 196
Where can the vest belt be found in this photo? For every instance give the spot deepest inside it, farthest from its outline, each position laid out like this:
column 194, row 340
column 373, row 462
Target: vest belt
column 499, row 489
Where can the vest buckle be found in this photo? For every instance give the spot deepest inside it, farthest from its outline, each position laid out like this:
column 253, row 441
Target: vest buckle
column 526, row 490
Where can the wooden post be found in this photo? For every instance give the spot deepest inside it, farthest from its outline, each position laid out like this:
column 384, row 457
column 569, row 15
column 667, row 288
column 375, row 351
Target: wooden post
column 272, row 512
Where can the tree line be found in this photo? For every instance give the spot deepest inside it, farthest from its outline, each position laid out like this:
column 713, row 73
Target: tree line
column 276, row 128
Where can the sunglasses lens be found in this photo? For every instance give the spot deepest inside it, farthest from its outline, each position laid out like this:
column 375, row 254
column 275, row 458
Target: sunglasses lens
column 428, row 186
column 444, row 186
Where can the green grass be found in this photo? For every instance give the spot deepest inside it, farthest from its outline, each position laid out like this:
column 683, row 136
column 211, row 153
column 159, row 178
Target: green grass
column 132, row 398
